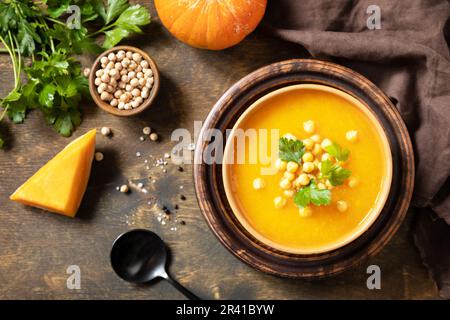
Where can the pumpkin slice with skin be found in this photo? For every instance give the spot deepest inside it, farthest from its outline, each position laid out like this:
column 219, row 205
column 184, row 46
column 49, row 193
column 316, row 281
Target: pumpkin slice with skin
column 60, row 184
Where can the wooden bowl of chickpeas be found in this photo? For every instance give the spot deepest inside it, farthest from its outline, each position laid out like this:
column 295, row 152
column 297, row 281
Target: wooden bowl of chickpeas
column 124, row 81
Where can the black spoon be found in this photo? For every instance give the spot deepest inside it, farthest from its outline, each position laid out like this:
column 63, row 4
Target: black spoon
column 139, row 256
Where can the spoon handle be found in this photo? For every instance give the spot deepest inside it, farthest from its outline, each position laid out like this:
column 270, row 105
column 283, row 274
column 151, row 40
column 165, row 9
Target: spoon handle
column 180, row 288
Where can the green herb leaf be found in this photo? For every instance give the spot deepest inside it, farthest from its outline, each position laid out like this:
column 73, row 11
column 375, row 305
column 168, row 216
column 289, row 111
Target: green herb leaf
column 335, row 173
column 115, row 8
column 128, row 22
column 47, row 95
column 291, row 150
column 312, row 194
column 339, row 153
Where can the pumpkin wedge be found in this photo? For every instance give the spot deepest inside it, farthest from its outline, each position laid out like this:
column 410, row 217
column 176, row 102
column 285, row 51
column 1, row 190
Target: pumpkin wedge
column 60, row 184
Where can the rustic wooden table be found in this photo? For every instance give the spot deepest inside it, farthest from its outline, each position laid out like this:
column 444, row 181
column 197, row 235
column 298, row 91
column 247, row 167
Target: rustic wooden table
column 37, row 247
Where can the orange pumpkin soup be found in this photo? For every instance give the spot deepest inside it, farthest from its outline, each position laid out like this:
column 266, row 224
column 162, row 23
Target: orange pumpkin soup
column 319, row 127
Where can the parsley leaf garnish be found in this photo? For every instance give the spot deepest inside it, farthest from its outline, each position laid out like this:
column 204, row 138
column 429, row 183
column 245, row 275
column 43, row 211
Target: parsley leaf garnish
column 341, row 154
column 291, row 150
column 312, row 194
column 335, row 173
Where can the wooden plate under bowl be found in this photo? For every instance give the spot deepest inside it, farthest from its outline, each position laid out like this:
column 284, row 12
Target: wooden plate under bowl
column 209, row 183
column 106, row 106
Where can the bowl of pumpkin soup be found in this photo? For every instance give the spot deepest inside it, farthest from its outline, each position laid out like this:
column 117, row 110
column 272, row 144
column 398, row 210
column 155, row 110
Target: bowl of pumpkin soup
column 303, row 169
column 321, row 174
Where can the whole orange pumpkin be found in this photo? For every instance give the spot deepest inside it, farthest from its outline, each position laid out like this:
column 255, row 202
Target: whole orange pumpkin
column 211, row 24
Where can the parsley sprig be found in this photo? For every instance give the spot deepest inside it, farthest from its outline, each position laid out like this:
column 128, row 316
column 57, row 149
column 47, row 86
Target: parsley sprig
column 341, row 154
column 54, row 83
column 291, row 150
column 312, row 194
column 334, row 172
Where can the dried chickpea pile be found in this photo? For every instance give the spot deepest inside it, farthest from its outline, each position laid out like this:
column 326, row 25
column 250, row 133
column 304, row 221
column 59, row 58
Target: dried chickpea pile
column 318, row 169
column 124, row 79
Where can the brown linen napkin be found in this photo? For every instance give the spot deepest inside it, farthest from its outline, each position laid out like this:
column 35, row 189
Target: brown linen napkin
column 409, row 59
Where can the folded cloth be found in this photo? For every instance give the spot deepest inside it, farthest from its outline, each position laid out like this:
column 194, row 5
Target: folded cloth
column 403, row 47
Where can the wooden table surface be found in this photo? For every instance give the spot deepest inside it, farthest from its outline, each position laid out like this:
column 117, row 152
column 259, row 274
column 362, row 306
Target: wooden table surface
column 37, row 247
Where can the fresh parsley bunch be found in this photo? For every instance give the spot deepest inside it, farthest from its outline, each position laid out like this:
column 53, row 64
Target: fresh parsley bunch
column 37, row 30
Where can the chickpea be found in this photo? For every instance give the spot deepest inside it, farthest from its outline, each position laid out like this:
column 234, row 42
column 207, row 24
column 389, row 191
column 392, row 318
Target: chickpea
column 289, row 193
column 102, row 87
column 154, row 136
column 305, row 212
column 342, row 205
column 142, row 82
column 139, row 68
column 113, row 73
column 326, row 156
column 131, row 75
column 290, row 136
column 353, row 182
column 110, row 88
column 105, row 131
column 113, row 82
column 309, row 144
column 328, row 184
column 104, row 60
column 303, row 180
column 112, row 56
column 285, row 184
column 99, row 73
column 136, row 92
column 128, row 87
column 97, row 81
column 146, row 130
column 308, row 167
column 129, row 55
column 351, row 135
column 122, row 85
column 145, row 93
column 105, row 96
column 315, row 138
column 280, row 165
column 136, row 57
column 317, row 149
column 308, row 157
column 321, row 186
column 134, row 82
column 105, row 78
column 289, row 176
column 118, row 94
column 150, row 82
column 127, row 106
column 121, row 105
column 118, row 66
column 279, row 202
column 110, row 65
column 326, row 143
column 309, row 126
column 114, row 103
column 120, row 55
column 292, row 166
column 132, row 65
column 148, row 73
column 98, row 156
column 125, row 62
column 139, row 100
column 124, row 78
column 134, row 104
column 259, row 184
column 144, row 64
column 124, row 188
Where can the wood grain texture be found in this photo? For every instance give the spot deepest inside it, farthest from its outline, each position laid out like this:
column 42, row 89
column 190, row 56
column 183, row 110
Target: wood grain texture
column 209, row 181
column 36, row 247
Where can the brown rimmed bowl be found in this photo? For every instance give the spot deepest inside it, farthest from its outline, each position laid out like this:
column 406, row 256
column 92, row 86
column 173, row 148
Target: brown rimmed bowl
column 216, row 207
column 116, row 111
